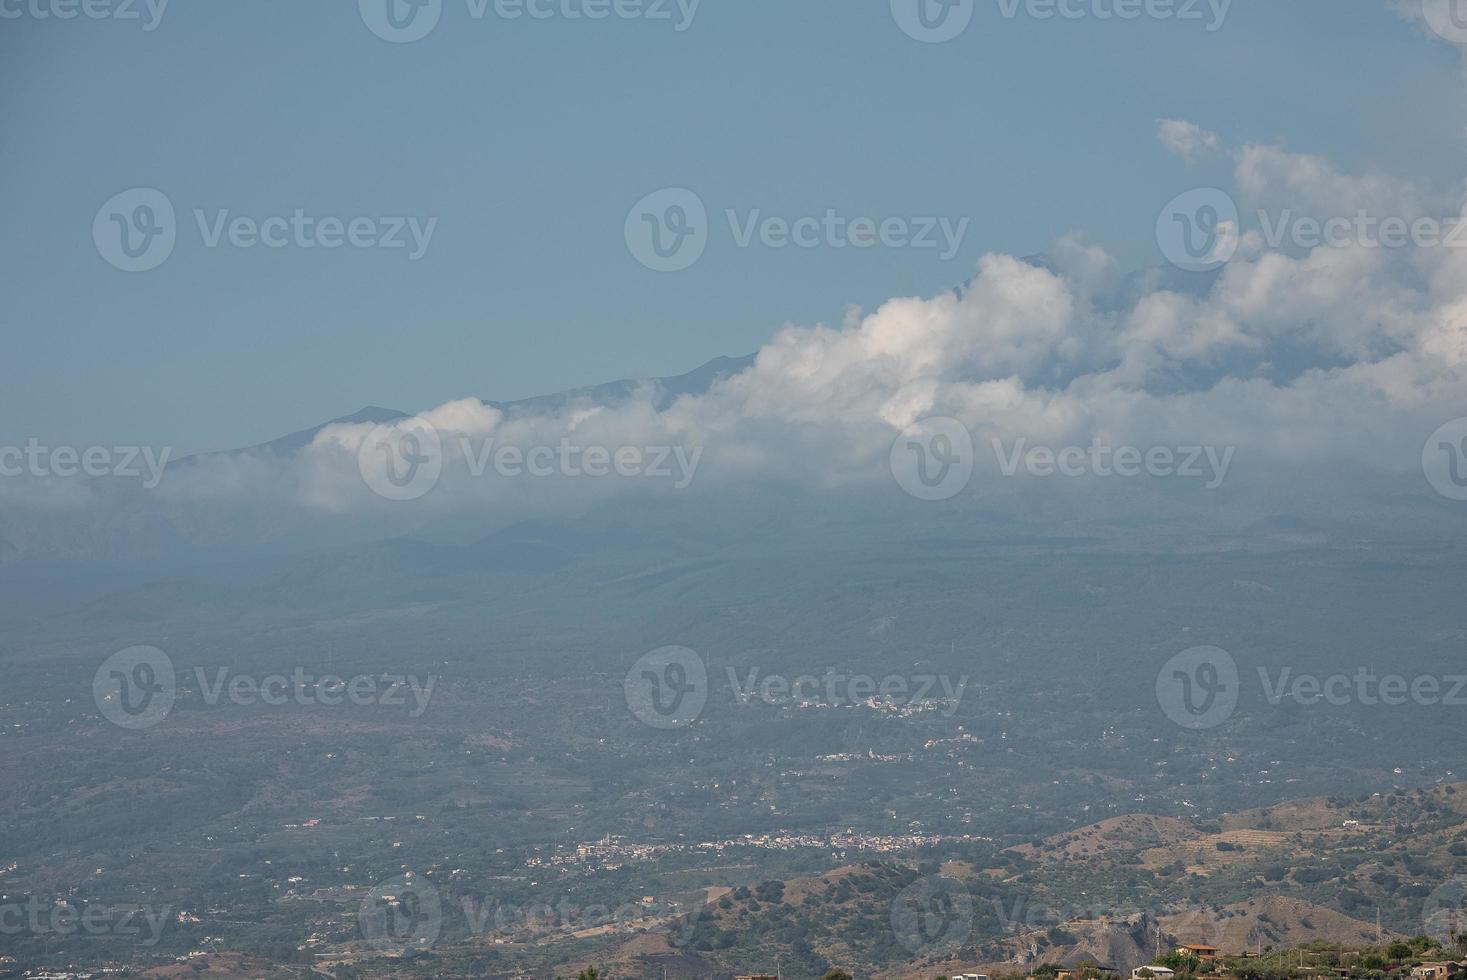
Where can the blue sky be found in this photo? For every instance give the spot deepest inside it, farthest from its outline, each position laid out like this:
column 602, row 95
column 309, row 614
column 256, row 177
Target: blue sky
column 529, row 140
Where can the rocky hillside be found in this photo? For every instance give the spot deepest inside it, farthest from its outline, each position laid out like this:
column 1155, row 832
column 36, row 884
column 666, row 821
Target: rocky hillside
column 1270, row 878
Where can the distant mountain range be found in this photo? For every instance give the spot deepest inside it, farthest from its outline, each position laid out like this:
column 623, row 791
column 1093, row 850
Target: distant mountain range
column 695, row 382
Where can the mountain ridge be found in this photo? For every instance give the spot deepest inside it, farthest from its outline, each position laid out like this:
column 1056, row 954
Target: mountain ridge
column 667, row 390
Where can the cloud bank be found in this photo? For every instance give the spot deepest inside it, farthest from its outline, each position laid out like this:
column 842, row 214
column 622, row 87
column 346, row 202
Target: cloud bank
column 1353, row 352
column 1350, row 352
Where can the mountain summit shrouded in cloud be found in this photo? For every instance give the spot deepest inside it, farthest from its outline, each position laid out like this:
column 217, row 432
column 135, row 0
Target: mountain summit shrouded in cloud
column 1351, row 351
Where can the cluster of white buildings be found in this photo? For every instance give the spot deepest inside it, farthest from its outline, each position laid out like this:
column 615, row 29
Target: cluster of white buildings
column 616, row 851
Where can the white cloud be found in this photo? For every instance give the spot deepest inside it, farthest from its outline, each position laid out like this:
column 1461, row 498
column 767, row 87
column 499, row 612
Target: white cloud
column 1187, row 140
column 1275, row 179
